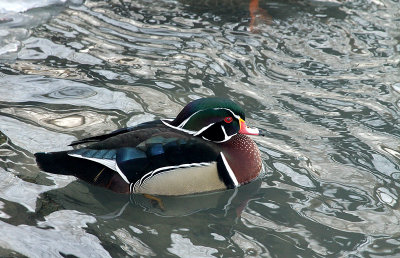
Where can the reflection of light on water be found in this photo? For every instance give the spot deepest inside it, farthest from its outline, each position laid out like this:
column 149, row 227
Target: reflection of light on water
column 33, row 138
column 394, row 153
column 322, row 80
column 154, row 101
column 132, row 245
column 71, row 93
column 37, row 88
column 386, row 196
column 39, row 48
column 69, row 121
column 16, row 190
column 183, row 247
column 297, row 178
column 3, row 215
column 54, row 72
column 249, row 245
column 24, row 5
column 66, row 120
column 372, row 223
column 18, row 17
column 28, row 240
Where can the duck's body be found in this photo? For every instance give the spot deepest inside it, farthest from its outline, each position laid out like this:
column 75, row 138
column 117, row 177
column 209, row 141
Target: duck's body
column 196, row 152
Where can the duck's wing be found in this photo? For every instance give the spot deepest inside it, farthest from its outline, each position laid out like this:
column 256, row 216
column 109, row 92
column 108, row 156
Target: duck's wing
column 147, row 125
column 167, row 163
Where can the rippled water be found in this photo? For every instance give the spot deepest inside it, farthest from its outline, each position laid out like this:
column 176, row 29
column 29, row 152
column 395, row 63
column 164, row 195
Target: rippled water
column 321, row 78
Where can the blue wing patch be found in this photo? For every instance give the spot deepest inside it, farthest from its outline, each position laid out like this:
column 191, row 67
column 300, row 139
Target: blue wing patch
column 155, row 149
column 95, row 154
column 132, row 162
column 126, row 154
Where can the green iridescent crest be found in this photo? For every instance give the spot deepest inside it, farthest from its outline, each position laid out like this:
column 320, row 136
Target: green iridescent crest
column 213, row 119
column 207, row 104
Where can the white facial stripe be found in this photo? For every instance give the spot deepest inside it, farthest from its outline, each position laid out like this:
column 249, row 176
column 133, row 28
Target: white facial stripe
column 203, row 129
column 230, row 172
column 205, row 138
column 181, row 125
column 194, row 133
column 223, row 130
column 226, row 137
column 179, row 129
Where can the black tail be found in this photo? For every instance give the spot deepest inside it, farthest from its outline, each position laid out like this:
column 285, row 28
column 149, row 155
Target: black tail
column 55, row 162
column 89, row 171
column 64, row 164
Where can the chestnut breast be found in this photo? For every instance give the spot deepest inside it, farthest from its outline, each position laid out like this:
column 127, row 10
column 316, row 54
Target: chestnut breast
column 243, row 157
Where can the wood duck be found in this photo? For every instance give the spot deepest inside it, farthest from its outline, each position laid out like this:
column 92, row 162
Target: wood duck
column 205, row 148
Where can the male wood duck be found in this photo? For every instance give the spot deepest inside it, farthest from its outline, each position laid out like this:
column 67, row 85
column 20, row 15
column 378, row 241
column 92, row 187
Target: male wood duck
column 205, row 148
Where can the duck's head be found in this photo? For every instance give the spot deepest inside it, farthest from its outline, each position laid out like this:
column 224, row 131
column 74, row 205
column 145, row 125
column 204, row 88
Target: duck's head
column 213, row 119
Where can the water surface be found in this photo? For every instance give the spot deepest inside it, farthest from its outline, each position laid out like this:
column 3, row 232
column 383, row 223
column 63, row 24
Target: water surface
column 320, row 77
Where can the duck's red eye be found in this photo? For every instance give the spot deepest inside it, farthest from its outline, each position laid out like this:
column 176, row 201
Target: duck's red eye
column 228, row 119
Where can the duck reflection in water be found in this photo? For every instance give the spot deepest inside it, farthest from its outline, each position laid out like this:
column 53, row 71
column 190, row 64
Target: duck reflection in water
column 107, row 205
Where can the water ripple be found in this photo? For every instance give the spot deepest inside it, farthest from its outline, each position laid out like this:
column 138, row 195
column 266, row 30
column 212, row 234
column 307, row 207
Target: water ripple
column 320, row 77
